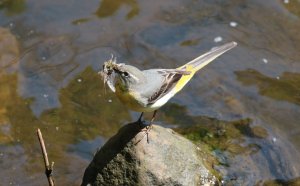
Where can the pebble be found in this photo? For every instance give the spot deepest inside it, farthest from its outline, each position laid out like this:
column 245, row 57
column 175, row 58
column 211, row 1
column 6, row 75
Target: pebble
column 286, row 1
column 79, row 80
column 109, row 100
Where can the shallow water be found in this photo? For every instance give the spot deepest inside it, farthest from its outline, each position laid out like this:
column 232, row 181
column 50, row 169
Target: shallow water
column 245, row 106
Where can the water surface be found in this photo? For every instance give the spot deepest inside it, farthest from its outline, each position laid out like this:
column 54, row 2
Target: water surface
column 245, row 106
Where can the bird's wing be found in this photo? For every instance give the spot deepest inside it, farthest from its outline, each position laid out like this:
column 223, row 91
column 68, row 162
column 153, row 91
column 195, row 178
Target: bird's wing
column 167, row 80
column 170, row 79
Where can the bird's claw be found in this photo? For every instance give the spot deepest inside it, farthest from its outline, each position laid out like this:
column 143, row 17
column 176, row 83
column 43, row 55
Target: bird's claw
column 146, row 131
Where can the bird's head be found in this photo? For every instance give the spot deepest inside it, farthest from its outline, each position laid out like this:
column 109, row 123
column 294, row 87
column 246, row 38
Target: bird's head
column 121, row 75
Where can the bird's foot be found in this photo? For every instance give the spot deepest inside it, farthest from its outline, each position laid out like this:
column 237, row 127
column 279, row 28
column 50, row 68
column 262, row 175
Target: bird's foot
column 146, row 131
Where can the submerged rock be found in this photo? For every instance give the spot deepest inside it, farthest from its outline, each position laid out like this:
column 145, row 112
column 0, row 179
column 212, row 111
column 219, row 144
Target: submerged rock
column 168, row 159
column 9, row 52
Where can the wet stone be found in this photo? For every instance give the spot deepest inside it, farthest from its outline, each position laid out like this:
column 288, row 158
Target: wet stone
column 168, row 159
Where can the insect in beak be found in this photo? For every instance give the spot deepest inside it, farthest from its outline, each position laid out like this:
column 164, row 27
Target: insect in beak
column 107, row 72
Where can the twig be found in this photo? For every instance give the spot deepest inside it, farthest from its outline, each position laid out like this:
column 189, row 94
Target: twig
column 48, row 168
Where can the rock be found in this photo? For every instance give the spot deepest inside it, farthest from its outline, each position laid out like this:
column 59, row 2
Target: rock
column 168, row 159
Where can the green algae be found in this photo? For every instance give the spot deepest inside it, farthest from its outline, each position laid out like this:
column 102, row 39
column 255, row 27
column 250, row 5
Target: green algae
column 108, row 8
column 284, row 88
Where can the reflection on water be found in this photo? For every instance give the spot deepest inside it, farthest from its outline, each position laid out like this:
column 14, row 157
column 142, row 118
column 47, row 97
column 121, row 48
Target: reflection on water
column 292, row 182
column 108, row 8
column 50, row 53
column 78, row 118
column 85, row 147
column 237, row 145
column 189, row 42
column 284, row 88
column 12, row 7
column 293, row 7
column 9, row 52
column 80, row 21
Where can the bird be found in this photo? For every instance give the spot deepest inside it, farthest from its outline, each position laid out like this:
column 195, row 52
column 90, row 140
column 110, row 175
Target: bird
column 148, row 90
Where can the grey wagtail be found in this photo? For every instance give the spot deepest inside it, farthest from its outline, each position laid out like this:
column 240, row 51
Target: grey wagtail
column 148, row 90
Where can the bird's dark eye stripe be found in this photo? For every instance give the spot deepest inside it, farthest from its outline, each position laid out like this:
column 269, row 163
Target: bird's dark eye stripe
column 125, row 74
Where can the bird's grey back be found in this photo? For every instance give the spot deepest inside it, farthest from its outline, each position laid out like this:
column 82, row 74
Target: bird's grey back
column 154, row 81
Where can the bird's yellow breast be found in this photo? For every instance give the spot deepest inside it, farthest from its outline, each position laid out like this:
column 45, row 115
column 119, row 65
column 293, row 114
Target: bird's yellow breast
column 129, row 98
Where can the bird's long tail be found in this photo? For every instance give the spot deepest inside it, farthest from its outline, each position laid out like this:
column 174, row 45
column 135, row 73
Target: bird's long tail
column 203, row 60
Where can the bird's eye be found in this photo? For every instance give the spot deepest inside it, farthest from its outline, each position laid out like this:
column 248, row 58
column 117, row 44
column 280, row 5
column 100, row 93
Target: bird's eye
column 125, row 74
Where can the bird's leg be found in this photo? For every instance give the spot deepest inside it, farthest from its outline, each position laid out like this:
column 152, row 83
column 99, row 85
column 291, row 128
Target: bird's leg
column 139, row 121
column 148, row 127
column 153, row 117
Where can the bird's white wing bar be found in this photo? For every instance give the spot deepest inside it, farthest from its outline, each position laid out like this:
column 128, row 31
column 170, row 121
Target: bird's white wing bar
column 171, row 77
